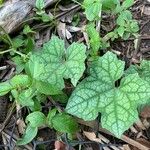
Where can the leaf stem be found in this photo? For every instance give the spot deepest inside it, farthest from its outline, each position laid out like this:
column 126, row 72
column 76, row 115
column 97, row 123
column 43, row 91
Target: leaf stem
column 19, row 53
column 6, row 51
column 13, row 50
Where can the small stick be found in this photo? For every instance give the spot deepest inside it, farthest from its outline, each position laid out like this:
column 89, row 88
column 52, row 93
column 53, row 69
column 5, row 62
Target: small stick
column 10, row 112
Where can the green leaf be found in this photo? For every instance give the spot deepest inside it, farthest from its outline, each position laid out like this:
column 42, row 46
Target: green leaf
column 27, row 30
column 92, row 9
column 131, row 70
column 54, row 62
column 46, row 18
column 36, row 119
column 15, row 93
column 124, row 16
column 29, row 135
column 95, row 40
column 134, row 27
column 127, row 3
column 143, row 70
column 41, row 97
column 20, row 81
column 118, row 9
column 47, row 88
column 20, row 64
column 109, row 4
column 37, row 105
column 63, row 98
column 126, row 35
column 64, row 123
column 5, row 87
column 98, row 93
column 17, row 42
column 30, row 44
column 40, row 4
column 121, row 31
column 25, row 97
column 50, row 116
column 16, row 82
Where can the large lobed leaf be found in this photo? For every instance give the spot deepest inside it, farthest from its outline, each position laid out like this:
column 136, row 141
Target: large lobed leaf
column 98, row 93
column 54, row 62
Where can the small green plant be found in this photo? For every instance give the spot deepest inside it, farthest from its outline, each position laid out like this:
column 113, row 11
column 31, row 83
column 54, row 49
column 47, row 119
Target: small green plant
column 59, row 121
column 40, row 11
column 16, row 45
column 126, row 26
column 94, row 8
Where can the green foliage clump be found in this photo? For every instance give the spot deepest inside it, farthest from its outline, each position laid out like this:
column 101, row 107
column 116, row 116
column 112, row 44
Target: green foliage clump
column 46, row 70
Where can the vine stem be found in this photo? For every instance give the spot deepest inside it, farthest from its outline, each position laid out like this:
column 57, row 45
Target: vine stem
column 6, row 51
column 13, row 50
column 19, row 53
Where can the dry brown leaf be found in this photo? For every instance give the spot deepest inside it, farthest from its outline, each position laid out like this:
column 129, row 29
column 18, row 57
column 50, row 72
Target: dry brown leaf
column 133, row 129
column 146, row 123
column 140, row 125
column 91, row 136
column 21, row 126
column 73, row 29
column 103, row 138
column 61, row 29
column 146, row 10
column 126, row 147
column 63, row 32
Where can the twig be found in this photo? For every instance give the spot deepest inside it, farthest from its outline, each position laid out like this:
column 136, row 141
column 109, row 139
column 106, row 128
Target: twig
column 55, row 104
column 10, row 112
column 134, row 143
column 3, row 68
column 14, row 138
